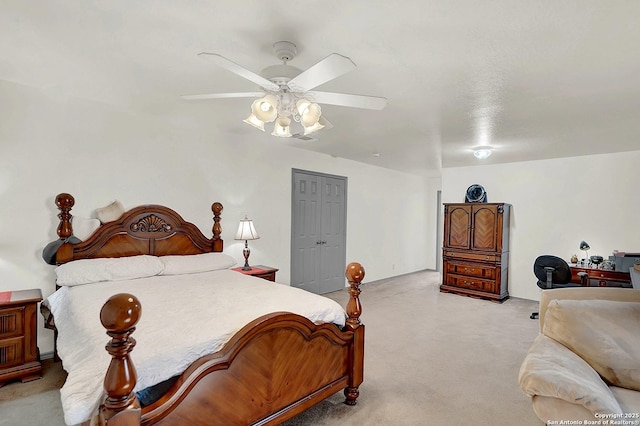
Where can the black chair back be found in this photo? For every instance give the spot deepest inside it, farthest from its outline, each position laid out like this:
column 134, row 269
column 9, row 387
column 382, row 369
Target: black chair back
column 561, row 273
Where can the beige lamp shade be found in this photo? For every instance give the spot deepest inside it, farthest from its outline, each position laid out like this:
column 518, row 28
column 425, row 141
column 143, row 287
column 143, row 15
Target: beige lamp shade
column 246, row 230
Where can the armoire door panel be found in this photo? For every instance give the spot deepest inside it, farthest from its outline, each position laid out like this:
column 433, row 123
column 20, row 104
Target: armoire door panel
column 459, row 235
column 484, row 228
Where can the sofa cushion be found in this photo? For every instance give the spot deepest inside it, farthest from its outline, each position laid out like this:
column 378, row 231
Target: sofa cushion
column 552, row 370
column 605, row 333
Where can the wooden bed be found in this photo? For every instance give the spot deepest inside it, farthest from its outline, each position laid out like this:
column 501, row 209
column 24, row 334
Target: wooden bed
column 271, row 370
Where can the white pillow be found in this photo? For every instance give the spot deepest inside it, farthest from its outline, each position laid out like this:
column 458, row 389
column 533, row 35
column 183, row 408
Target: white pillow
column 84, row 227
column 192, row 263
column 111, row 212
column 88, row 271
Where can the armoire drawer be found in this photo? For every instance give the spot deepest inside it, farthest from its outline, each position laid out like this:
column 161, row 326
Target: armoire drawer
column 471, row 283
column 474, row 257
column 471, row 270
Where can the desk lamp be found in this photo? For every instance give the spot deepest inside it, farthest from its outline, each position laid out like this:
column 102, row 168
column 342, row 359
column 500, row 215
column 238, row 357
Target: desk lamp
column 585, row 247
column 246, row 232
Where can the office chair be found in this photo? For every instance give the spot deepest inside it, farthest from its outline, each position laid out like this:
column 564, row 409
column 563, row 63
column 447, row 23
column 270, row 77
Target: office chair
column 553, row 272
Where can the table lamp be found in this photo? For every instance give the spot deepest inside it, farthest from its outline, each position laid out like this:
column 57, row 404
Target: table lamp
column 584, row 246
column 246, row 232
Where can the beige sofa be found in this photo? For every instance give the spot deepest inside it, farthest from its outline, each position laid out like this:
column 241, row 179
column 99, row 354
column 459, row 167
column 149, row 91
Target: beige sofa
column 585, row 363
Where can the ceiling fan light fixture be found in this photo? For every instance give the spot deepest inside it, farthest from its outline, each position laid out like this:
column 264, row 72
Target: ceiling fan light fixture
column 482, row 152
column 286, row 94
column 255, row 122
column 281, row 127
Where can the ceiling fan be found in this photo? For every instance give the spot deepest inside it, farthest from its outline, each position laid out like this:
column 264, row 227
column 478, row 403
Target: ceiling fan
column 286, row 91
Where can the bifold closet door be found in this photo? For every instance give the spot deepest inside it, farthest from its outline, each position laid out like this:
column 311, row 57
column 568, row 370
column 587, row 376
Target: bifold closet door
column 318, row 232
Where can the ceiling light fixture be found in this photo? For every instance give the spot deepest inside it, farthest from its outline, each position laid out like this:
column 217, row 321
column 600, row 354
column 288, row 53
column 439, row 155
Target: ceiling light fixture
column 282, row 107
column 482, row 152
column 286, row 95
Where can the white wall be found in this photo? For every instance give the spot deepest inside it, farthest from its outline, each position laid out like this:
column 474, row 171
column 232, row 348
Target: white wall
column 556, row 204
column 50, row 143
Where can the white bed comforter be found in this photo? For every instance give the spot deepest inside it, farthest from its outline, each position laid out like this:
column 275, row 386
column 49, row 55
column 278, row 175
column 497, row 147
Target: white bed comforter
column 217, row 303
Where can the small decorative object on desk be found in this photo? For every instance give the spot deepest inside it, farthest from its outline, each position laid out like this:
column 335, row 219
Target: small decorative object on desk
column 574, row 259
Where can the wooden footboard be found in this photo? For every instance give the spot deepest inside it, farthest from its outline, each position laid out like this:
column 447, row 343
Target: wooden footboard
column 274, row 368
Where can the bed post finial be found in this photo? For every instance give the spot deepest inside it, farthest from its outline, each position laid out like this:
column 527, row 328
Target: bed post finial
column 216, row 208
column 355, row 275
column 119, row 316
column 65, row 202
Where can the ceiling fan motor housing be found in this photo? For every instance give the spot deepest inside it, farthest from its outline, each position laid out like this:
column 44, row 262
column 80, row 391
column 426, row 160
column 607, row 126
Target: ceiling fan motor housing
column 285, row 50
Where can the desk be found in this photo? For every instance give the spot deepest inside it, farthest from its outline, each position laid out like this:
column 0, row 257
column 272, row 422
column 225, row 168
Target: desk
column 600, row 277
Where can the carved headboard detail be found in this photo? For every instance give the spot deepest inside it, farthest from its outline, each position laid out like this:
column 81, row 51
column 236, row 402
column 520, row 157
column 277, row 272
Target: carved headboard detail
column 151, row 223
column 149, row 229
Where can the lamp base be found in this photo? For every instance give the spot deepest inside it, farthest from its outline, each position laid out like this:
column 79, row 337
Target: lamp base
column 246, row 252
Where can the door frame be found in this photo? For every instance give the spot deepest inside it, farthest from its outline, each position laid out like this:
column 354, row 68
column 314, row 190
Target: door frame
column 346, row 192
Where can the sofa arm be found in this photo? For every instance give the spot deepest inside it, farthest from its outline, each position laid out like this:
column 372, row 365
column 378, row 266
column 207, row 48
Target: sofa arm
column 586, row 293
column 552, row 370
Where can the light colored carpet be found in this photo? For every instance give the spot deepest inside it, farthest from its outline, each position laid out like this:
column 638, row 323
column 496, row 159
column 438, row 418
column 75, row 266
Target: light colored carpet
column 431, row 358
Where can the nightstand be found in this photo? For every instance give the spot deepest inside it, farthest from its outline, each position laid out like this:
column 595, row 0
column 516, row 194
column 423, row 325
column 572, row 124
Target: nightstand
column 19, row 356
column 260, row 271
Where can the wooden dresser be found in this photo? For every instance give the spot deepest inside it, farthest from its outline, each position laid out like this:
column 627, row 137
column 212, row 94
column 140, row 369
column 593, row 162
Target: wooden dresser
column 475, row 252
column 19, row 356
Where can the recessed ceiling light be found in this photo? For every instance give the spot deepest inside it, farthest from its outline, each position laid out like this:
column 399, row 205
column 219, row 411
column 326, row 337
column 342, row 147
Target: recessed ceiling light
column 376, row 154
column 482, row 152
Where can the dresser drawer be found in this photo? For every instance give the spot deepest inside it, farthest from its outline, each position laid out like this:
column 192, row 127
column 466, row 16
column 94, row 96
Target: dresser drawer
column 602, row 282
column 11, row 322
column 477, row 257
column 11, row 352
column 471, row 270
column 470, row 283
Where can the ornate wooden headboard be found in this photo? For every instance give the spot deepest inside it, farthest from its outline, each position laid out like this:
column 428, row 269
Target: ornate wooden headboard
column 149, row 229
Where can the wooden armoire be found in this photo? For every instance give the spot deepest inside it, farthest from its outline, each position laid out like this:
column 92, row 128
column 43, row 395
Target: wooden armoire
column 475, row 252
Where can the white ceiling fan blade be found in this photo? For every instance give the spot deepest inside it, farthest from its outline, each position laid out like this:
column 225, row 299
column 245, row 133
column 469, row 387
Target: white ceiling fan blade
column 223, row 95
column 241, row 71
column 327, row 69
column 344, row 99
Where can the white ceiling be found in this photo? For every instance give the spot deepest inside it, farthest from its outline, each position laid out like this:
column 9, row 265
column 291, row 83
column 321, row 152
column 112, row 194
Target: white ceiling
column 534, row 79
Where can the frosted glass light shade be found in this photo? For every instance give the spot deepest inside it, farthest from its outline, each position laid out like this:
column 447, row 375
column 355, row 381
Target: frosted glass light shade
column 281, row 127
column 311, row 115
column 302, row 105
column 255, row 122
column 265, row 109
column 313, row 128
